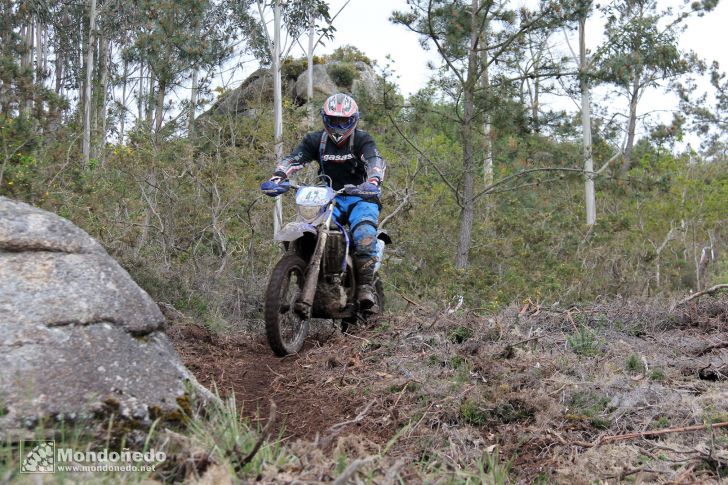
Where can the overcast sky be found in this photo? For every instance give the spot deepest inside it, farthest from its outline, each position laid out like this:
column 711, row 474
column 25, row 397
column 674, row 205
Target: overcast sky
column 365, row 24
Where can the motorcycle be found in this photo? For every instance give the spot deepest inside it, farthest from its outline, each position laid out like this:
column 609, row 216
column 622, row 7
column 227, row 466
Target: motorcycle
column 316, row 277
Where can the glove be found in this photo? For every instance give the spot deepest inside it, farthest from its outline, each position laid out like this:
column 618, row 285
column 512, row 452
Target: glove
column 370, row 188
column 276, row 186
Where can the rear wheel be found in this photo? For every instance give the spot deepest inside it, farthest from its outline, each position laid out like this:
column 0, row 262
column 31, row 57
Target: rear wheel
column 285, row 330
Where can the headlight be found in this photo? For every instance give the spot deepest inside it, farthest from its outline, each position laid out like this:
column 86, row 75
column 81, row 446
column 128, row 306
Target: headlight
column 309, row 212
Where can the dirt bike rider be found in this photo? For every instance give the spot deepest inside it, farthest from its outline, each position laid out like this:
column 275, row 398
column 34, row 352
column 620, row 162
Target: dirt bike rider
column 350, row 157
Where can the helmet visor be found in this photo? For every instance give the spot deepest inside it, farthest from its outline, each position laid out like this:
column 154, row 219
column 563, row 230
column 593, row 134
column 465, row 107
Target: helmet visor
column 339, row 124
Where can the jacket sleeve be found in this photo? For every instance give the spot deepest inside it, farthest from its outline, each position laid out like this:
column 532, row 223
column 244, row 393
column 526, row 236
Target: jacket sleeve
column 373, row 161
column 305, row 152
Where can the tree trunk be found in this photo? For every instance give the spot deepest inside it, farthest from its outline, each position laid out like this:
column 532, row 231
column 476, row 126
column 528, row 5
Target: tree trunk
column 309, row 67
column 87, row 91
column 632, row 125
column 468, row 210
column 30, row 47
column 148, row 97
column 534, row 102
column 122, row 115
column 487, row 129
column 193, row 101
column 159, row 108
column 58, row 63
column 589, row 192
column 140, row 95
column 104, row 57
column 277, row 105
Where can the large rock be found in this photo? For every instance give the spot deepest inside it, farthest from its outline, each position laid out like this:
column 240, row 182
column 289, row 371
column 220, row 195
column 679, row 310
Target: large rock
column 366, row 81
column 322, row 84
column 257, row 90
column 78, row 337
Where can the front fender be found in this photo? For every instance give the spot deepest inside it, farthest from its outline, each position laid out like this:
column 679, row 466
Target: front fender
column 295, row 230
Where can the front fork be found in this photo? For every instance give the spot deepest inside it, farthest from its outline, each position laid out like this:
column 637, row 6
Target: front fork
column 305, row 300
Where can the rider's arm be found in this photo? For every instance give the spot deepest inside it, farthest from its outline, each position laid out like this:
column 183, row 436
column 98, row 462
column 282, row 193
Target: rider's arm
column 305, row 152
column 373, row 161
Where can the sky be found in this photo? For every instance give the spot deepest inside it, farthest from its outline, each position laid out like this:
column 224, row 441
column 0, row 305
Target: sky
column 365, row 24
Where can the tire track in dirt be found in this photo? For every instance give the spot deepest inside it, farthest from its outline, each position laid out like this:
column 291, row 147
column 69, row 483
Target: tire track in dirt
column 244, row 366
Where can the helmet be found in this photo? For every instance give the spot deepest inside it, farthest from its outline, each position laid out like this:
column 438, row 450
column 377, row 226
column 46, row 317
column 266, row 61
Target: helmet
column 340, row 115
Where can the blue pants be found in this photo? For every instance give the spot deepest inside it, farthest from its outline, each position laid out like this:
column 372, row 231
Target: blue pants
column 362, row 218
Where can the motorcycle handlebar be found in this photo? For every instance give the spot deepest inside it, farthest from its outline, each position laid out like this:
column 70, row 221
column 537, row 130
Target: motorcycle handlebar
column 337, row 192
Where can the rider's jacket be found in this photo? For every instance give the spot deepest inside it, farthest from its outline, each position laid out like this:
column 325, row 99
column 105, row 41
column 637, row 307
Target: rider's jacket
column 355, row 162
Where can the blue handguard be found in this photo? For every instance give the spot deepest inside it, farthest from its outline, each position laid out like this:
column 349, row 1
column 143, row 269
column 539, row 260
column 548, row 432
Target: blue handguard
column 367, row 189
column 272, row 188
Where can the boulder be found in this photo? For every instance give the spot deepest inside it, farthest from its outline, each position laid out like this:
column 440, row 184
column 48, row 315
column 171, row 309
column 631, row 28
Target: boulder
column 366, row 81
column 78, row 338
column 323, row 86
column 257, row 88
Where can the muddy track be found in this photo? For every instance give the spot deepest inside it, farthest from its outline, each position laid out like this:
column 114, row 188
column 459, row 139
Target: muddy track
column 246, row 367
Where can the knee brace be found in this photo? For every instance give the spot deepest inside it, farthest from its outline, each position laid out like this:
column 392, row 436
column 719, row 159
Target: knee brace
column 364, row 235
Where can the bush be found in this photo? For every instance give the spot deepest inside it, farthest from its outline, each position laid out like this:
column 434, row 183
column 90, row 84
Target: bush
column 350, row 54
column 343, row 74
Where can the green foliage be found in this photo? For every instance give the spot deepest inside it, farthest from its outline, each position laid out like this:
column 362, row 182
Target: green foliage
column 459, row 334
column 292, row 68
column 231, row 438
column 343, row 74
column 634, row 364
column 349, row 54
column 584, row 342
column 661, row 422
column 591, row 406
column 472, row 413
column 657, row 375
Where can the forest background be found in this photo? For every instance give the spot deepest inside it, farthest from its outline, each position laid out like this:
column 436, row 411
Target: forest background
column 107, row 117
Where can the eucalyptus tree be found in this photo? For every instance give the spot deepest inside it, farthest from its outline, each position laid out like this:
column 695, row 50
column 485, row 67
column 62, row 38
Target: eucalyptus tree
column 472, row 37
column 296, row 18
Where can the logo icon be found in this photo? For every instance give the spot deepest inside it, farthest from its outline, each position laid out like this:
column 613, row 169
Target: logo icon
column 37, row 456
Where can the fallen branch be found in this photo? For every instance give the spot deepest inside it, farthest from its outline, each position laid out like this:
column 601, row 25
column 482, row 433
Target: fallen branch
column 710, row 348
column 263, row 436
column 630, row 436
column 644, row 434
column 709, row 291
column 359, row 417
column 352, row 469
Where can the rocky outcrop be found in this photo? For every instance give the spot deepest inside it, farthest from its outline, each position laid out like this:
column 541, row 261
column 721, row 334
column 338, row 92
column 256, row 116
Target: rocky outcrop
column 322, row 83
column 257, row 89
column 78, row 337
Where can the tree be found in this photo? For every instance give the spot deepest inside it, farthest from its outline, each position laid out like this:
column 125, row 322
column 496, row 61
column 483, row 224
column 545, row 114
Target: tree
column 470, row 37
column 297, row 19
column 87, row 87
column 641, row 51
column 708, row 112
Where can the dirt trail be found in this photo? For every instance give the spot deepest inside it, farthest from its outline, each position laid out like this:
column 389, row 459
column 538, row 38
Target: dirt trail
column 537, row 387
column 245, row 366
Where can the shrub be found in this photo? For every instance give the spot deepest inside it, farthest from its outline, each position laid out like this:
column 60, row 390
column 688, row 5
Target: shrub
column 343, row 74
column 349, row 53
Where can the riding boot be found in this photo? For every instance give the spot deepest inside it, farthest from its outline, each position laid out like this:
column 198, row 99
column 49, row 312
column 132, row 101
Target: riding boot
column 365, row 291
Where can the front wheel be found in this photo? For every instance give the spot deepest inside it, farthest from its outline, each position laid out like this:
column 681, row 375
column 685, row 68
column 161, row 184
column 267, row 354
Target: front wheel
column 285, row 330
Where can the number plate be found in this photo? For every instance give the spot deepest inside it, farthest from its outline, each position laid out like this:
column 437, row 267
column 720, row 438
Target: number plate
column 314, row 196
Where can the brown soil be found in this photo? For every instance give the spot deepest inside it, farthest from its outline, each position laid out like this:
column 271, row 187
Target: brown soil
column 437, row 392
column 244, row 365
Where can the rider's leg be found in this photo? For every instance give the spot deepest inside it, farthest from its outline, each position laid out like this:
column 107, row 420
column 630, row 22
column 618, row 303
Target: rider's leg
column 363, row 220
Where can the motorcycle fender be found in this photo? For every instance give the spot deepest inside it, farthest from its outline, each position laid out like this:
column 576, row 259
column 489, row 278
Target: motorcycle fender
column 295, row 230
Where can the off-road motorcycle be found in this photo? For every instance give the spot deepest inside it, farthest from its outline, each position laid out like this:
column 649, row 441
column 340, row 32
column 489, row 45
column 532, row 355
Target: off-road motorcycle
column 316, row 277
